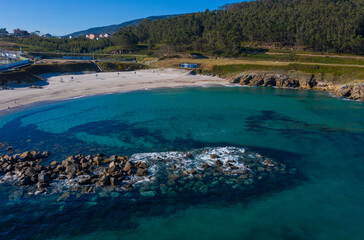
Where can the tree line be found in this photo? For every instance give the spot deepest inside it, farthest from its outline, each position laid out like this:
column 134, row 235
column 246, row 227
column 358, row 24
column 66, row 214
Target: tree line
column 317, row 25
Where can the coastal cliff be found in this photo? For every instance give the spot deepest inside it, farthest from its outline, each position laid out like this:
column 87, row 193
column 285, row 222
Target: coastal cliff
column 353, row 91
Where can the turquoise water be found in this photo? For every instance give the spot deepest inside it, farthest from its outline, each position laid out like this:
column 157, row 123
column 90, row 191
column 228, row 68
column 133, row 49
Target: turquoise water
column 321, row 136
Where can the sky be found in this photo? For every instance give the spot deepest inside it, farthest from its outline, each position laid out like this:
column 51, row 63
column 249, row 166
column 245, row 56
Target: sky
column 61, row 17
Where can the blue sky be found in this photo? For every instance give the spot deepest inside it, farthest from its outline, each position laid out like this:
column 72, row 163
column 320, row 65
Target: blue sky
column 60, row 17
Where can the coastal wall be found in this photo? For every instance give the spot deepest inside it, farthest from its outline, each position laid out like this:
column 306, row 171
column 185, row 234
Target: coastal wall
column 354, row 91
column 31, row 74
column 18, row 77
column 13, row 65
column 61, row 67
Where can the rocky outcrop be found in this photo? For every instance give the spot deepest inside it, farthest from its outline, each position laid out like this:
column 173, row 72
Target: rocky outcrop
column 350, row 91
column 275, row 80
column 154, row 175
column 85, row 170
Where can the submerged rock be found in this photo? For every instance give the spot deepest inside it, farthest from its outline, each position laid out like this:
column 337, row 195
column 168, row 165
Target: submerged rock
column 63, row 197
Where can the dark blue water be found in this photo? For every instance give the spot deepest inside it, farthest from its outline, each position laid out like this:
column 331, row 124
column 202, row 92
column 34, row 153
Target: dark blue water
column 321, row 136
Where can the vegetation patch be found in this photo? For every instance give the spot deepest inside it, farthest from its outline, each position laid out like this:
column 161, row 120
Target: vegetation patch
column 120, row 66
column 293, row 57
column 232, row 31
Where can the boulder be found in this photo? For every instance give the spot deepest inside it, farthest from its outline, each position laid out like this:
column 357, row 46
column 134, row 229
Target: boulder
column 104, row 181
column 54, row 163
column 71, row 176
column 111, row 168
column 26, row 181
column 85, row 181
column 45, row 154
column 44, row 178
column 218, row 163
column 30, row 172
column 71, row 169
column 205, row 166
column 142, row 172
column 90, row 189
column 36, row 154
column 85, row 166
column 143, row 165
column 127, row 167
column 63, row 197
column 114, row 181
column 233, row 167
column 42, row 186
column 25, row 155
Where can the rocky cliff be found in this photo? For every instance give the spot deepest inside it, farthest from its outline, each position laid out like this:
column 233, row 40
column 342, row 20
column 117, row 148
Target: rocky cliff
column 354, row 91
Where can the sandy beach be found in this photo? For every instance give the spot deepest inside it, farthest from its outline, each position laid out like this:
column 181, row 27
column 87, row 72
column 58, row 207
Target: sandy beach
column 71, row 86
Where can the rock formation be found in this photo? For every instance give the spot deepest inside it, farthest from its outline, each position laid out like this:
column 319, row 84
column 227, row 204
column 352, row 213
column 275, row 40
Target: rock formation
column 350, row 91
column 168, row 174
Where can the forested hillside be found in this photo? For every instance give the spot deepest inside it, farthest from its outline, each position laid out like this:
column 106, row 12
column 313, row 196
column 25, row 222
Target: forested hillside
column 320, row 25
column 314, row 25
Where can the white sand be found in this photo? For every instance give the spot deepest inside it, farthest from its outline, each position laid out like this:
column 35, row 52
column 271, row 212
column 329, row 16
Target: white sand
column 64, row 87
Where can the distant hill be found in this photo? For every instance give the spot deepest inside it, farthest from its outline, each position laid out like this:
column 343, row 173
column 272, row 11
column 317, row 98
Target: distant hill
column 114, row 28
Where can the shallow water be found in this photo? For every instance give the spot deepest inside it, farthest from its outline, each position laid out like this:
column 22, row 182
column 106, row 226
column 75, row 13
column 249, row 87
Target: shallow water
column 321, row 136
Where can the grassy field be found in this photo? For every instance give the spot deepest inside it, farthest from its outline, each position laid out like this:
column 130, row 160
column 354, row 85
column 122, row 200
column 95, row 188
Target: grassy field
column 306, row 58
column 335, row 72
column 17, row 47
column 7, row 44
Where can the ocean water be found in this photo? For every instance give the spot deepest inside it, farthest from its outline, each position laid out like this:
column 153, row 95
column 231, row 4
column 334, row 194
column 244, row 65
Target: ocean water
column 319, row 135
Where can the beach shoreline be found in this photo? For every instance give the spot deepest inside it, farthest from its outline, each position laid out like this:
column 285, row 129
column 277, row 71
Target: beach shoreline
column 64, row 87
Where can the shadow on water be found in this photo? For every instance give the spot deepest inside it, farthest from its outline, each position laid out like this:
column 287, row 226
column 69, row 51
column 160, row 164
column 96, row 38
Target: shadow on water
column 42, row 216
column 274, row 121
column 137, row 137
column 61, row 145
